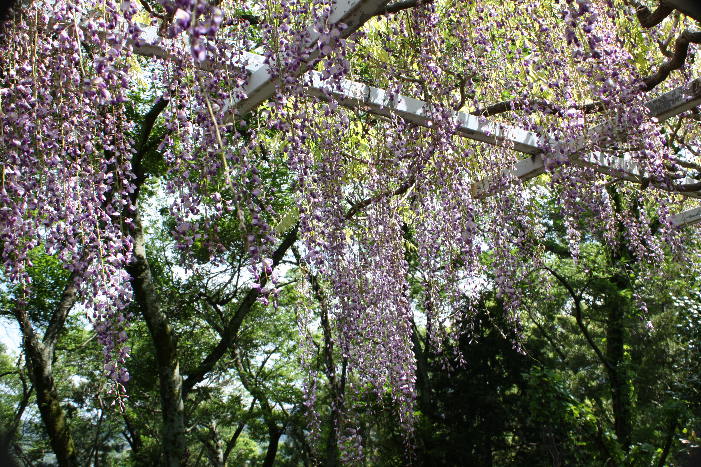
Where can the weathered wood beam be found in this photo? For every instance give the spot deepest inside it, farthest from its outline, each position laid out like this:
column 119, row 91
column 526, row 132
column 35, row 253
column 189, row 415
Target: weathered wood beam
column 353, row 94
column 663, row 107
column 690, row 217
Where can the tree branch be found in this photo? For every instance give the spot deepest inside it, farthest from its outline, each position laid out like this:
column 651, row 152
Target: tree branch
column 687, row 187
column 245, row 306
column 547, row 337
column 357, row 207
column 578, row 316
column 681, row 49
column 401, row 5
column 668, row 444
column 239, row 429
column 60, row 313
column 535, row 105
column 649, row 19
column 232, row 327
column 147, row 7
column 134, row 437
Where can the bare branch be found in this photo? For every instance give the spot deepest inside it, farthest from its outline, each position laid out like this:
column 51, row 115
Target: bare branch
column 686, row 164
column 401, row 6
column 579, row 317
column 535, row 105
column 681, row 49
column 649, row 19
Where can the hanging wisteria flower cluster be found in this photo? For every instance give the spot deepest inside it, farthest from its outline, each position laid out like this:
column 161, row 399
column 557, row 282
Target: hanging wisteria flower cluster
column 66, row 155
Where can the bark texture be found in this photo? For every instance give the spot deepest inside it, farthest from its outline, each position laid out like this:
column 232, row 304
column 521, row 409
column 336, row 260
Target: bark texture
column 166, row 349
column 40, row 354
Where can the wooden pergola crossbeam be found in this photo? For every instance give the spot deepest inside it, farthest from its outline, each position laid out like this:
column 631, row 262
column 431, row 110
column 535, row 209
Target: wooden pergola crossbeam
column 355, row 95
column 380, row 102
column 676, row 101
column 374, row 100
column 262, row 84
column 663, row 107
column 689, row 217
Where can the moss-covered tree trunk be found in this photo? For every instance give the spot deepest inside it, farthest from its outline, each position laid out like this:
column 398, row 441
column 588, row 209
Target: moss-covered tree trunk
column 52, row 415
column 165, row 347
column 39, row 357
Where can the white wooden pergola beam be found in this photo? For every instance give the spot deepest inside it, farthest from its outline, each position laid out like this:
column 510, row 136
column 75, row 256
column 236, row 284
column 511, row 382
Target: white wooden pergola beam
column 676, row 101
column 374, row 100
column 261, row 84
column 663, row 107
column 378, row 101
column 352, row 94
column 690, row 217
column 627, row 169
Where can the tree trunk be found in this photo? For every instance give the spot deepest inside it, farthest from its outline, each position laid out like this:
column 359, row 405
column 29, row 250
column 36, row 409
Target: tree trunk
column 39, row 354
column 275, row 433
column 621, row 397
column 165, row 343
column 618, row 306
column 162, row 334
column 423, row 383
column 332, row 454
column 53, row 416
column 39, row 359
column 214, row 447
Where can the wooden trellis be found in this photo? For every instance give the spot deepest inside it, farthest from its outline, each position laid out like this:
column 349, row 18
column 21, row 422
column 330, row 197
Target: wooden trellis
column 354, row 13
